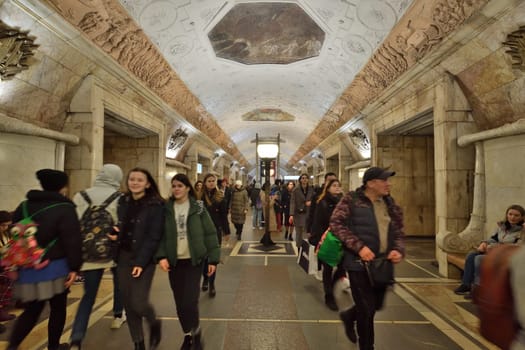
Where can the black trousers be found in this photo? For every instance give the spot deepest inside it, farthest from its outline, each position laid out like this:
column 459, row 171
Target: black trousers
column 185, row 283
column 329, row 277
column 367, row 301
column 28, row 319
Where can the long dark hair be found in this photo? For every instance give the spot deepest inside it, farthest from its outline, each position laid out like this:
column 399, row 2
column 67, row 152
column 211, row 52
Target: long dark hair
column 517, row 208
column 325, row 189
column 186, row 182
column 153, row 190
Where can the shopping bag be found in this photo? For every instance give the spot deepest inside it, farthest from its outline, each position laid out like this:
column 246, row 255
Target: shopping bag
column 307, row 258
column 330, row 249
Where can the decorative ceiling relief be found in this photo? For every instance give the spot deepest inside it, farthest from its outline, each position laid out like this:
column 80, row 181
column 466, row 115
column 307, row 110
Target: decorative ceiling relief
column 422, row 28
column 360, row 140
column 110, row 27
column 175, row 142
column 16, row 47
column 266, row 33
column 516, row 48
column 268, row 114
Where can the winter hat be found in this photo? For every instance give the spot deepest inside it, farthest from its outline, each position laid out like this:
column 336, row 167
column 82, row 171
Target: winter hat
column 52, row 180
column 238, row 183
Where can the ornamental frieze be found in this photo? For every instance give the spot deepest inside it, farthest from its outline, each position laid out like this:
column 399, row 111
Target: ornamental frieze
column 516, row 48
column 107, row 24
column 423, row 27
column 16, row 47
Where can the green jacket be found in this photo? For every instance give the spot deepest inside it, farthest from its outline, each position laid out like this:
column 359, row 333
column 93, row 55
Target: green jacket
column 202, row 235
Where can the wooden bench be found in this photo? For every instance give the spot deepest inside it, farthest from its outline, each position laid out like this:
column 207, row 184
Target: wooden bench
column 457, row 260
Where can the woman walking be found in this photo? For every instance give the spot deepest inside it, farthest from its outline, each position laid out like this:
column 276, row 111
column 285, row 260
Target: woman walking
column 58, row 231
column 214, row 202
column 239, row 207
column 141, row 223
column 189, row 237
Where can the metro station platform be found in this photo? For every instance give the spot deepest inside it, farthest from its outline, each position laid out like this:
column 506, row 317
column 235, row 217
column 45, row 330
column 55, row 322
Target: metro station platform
column 265, row 301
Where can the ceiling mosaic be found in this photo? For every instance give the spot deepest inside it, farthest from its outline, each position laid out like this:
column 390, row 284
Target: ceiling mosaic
column 266, row 33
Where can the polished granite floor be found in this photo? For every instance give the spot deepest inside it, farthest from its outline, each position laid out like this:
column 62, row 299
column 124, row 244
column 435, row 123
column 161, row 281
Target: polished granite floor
column 266, row 302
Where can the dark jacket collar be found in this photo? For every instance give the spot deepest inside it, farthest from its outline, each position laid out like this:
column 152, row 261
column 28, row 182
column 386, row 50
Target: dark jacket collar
column 46, row 196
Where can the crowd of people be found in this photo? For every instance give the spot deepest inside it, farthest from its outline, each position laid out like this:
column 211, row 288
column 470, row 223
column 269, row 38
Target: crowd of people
column 183, row 235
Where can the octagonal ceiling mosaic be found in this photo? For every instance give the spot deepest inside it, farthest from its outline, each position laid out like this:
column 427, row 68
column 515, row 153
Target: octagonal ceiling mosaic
column 266, row 33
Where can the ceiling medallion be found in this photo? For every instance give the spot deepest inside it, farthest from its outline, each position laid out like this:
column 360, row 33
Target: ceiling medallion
column 267, row 115
column 516, row 48
column 15, row 48
column 360, row 140
column 266, row 33
column 177, row 139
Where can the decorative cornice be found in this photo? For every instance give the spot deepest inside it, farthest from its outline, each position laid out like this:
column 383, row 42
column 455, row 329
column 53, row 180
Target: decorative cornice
column 423, row 27
column 516, row 48
column 16, row 47
column 107, row 24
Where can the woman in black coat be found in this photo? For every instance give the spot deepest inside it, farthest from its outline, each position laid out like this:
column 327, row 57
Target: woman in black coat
column 58, row 231
column 140, row 229
column 326, row 203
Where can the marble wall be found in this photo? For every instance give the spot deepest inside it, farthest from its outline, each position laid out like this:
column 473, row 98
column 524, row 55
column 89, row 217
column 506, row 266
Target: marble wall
column 504, row 169
column 412, row 158
column 20, row 157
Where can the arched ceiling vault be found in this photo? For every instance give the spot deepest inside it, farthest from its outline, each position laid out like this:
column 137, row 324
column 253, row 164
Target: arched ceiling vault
column 235, row 68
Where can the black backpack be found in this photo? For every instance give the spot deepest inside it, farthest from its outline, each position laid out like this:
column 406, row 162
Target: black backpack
column 95, row 224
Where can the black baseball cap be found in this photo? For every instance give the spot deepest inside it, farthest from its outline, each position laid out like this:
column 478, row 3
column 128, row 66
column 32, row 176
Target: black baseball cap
column 377, row 173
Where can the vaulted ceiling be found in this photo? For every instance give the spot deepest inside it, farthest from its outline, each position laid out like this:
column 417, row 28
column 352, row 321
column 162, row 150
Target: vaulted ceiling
column 303, row 69
column 266, row 67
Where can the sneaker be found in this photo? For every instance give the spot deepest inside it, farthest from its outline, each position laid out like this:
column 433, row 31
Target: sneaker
column 118, row 321
column 75, row 345
column 462, row 289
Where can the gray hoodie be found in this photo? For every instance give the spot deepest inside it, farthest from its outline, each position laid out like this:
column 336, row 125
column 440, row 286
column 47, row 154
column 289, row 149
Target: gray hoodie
column 106, row 183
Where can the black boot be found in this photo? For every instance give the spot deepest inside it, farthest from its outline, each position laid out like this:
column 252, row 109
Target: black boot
column 212, row 291
column 348, row 318
column 140, row 345
column 204, row 284
column 155, row 334
column 196, row 342
column 286, row 235
column 186, row 345
column 329, row 300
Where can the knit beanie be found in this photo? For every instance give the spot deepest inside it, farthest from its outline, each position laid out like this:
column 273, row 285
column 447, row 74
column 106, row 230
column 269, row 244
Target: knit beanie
column 52, row 180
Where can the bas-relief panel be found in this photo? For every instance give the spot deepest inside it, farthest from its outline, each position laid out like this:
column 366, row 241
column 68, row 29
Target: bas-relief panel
column 109, row 26
column 266, row 33
column 422, row 28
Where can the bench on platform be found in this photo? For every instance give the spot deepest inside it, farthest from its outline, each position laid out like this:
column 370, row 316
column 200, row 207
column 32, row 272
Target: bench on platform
column 457, row 260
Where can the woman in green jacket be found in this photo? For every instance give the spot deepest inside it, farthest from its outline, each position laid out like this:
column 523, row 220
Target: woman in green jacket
column 189, row 237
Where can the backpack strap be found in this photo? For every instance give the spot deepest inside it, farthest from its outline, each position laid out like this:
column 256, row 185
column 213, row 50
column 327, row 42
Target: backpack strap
column 86, row 197
column 110, row 199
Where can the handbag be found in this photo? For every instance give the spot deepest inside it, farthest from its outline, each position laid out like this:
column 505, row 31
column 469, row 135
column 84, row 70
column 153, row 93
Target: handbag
column 380, row 272
column 330, row 249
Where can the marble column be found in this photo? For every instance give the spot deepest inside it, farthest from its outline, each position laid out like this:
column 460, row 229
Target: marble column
column 454, row 165
column 85, row 119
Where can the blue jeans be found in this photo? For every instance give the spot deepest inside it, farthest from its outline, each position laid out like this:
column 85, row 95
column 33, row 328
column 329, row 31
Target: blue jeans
column 477, row 267
column 91, row 283
column 257, row 217
column 470, row 269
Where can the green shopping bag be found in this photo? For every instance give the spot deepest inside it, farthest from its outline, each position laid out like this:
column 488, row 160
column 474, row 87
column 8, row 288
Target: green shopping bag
column 330, row 249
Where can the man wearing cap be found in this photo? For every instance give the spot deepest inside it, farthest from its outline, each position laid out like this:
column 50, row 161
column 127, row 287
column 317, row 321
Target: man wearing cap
column 369, row 224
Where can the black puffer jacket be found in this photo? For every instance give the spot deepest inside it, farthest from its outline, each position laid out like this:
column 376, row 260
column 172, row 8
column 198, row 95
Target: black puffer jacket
column 148, row 227
column 321, row 218
column 58, row 222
